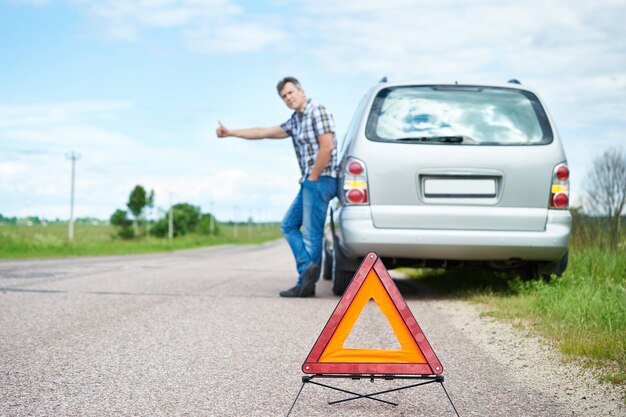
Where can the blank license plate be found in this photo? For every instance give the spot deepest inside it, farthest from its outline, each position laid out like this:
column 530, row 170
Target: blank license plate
column 463, row 188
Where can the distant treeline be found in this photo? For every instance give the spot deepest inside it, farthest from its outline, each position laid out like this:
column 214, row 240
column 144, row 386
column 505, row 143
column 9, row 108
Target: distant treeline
column 34, row 220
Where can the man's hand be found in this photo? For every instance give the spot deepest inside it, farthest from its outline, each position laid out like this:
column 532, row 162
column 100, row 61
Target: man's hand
column 222, row 131
column 323, row 155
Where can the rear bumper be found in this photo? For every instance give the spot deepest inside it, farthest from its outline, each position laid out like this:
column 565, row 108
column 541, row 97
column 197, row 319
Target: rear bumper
column 357, row 236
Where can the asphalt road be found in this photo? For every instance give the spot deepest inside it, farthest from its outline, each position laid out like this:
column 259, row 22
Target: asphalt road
column 204, row 333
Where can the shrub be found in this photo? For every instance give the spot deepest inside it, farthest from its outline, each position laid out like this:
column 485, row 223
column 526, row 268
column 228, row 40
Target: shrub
column 120, row 219
column 186, row 219
column 206, row 222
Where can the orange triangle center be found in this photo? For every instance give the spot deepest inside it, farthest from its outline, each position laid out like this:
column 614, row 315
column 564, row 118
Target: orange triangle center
column 372, row 288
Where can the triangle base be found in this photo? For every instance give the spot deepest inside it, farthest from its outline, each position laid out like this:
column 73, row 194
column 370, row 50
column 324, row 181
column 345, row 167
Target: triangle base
column 425, row 380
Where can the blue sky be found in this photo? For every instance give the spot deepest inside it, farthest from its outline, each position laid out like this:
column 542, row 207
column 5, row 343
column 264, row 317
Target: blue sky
column 137, row 87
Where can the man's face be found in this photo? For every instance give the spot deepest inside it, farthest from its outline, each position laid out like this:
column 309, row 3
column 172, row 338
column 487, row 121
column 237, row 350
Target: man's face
column 293, row 97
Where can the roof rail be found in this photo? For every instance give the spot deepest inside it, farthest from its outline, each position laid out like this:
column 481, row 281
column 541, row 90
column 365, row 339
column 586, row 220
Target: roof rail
column 514, row 81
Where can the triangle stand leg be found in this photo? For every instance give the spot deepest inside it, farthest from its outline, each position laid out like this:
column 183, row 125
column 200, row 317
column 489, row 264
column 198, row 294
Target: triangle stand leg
column 371, row 396
column 305, row 379
column 450, row 399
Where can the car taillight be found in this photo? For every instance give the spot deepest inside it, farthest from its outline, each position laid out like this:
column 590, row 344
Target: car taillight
column 562, row 172
column 356, row 196
column 355, row 168
column 559, row 190
column 355, row 188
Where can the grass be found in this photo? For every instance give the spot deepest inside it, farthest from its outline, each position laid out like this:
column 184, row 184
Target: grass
column 584, row 311
column 51, row 241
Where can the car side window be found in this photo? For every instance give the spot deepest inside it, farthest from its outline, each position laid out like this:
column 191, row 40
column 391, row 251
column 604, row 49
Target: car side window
column 354, row 125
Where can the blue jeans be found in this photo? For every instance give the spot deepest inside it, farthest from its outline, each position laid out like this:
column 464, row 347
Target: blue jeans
column 303, row 225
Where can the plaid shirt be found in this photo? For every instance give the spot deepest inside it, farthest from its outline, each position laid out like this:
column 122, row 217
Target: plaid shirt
column 304, row 128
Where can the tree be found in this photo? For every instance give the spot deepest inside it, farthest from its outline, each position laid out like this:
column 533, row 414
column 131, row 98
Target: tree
column 120, row 219
column 606, row 189
column 8, row 220
column 137, row 201
column 186, row 219
column 207, row 225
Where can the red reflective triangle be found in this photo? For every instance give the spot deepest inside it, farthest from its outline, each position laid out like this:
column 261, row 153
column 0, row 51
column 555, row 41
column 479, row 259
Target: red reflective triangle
column 415, row 356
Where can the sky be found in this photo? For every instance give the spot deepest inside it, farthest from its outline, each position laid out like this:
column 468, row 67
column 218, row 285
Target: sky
column 136, row 88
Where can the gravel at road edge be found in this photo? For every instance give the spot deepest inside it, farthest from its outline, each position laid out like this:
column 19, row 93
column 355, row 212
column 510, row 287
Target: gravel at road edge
column 508, row 345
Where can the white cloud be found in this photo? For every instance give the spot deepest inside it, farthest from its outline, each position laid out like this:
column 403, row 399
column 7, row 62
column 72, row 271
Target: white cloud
column 29, row 181
column 223, row 190
column 585, row 101
column 434, row 40
column 9, row 171
column 57, row 128
column 128, row 20
column 197, row 171
column 29, row 2
column 205, row 26
column 159, row 13
column 12, row 116
column 235, row 37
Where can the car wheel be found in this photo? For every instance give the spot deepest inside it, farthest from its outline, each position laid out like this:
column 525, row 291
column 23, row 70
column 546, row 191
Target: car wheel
column 546, row 270
column 340, row 276
column 327, row 262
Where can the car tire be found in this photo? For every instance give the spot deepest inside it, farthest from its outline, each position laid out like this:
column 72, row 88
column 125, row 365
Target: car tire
column 341, row 276
column 546, row 270
column 327, row 262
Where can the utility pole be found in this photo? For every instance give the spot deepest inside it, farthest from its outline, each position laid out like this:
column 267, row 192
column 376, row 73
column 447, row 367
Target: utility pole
column 250, row 221
column 150, row 211
column 170, row 223
column 72, row 157
column 235, row 222
column 212, row 220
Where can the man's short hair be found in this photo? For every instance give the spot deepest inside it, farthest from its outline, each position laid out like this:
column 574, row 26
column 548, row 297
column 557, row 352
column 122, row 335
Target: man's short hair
column 292, row 80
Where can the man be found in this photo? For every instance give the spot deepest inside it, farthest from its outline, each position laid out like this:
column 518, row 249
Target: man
column 312, row 130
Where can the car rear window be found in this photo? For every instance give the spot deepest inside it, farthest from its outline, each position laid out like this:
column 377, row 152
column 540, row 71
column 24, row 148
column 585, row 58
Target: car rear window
column 468, row 115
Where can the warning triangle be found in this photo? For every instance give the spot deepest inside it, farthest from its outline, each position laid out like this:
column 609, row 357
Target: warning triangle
column 372, row 282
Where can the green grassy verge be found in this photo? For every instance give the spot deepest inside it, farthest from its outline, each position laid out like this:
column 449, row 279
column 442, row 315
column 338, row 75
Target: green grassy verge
column 584, row 311
column 51, row 241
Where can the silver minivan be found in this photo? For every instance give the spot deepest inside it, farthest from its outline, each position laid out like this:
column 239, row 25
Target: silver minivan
column 451, row 175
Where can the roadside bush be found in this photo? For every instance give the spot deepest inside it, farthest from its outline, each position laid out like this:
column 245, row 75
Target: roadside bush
column 120, row 219
column 206, row 222
column 160, row 228
column 126, row 233
column 186, row 219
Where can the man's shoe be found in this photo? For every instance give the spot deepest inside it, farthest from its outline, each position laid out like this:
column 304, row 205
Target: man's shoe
column 291, row 292
column 308, row 281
